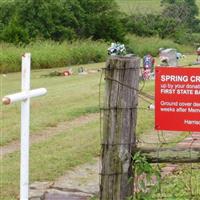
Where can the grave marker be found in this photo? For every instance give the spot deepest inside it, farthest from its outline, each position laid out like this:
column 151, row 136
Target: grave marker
column 24, row 96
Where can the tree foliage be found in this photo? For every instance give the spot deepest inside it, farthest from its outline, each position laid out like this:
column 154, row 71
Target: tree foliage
column 23, row 21
column 190, row 3
column 183, row 11
column 26, row 20
column 177, row 21
column 150, row 25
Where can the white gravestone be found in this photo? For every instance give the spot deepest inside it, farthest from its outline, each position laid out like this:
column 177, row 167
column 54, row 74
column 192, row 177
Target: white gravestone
column 24, row 96
column 169, row 56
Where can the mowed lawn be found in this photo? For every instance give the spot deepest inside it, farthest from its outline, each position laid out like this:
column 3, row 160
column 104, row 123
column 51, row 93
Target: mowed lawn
column 68, row 98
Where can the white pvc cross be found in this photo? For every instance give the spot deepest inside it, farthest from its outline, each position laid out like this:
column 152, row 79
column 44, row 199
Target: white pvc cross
column 24, row 96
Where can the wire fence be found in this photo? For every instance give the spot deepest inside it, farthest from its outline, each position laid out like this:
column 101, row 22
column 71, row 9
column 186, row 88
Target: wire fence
column 166, row 181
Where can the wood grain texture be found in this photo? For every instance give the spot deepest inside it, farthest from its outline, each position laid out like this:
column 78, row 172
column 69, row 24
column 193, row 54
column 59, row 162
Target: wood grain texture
column 171, row 154
column 119, row 122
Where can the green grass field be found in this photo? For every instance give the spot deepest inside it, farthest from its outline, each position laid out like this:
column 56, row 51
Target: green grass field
column 51, row 159
column 50, row 54
column 139, row 6
column 68, row 98
column 183, row 184
column 144, row 45
column 143, row 6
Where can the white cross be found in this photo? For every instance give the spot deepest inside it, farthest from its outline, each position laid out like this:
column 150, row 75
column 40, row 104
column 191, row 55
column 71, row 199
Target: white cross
column 24, row 96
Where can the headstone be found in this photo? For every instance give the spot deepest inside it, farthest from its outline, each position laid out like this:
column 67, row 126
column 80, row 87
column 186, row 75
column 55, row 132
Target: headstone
column 168, row 57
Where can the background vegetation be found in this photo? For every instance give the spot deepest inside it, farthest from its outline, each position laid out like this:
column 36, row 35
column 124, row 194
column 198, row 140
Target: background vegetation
column 50, row 54
column 67, row 32
column 61, row 33
column 98, row 19
column 22, row 21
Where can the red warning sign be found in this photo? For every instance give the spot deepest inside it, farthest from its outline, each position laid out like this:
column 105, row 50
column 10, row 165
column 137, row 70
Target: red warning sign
column 177, row 99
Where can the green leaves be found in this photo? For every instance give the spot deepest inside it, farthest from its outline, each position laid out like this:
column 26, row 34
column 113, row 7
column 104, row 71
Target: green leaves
column 141, row 165
column 60, row 20
column 145, row 174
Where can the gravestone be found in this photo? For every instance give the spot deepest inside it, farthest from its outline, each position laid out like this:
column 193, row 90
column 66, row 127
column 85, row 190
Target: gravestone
column 168, row 57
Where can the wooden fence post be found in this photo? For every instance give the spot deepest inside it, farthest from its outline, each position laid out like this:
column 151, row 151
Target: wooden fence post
column 119, row 123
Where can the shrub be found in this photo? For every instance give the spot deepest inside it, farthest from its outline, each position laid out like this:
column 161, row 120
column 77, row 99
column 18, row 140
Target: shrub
column 151, row 25
column 143, row 25
column 60, row 20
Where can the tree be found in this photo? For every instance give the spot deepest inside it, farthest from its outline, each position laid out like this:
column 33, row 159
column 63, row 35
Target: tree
column 102, row 20
column 183, row 11
column 60, row 20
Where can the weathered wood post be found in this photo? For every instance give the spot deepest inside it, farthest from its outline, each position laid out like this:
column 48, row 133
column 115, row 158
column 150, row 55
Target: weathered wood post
column 119, row 123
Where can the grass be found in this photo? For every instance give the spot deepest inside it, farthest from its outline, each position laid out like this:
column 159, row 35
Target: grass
column 49, row 54
column 144, row 45
column 50, row 159
column 139, row 6
column 68, row 98
column 143, row 6
column 182, row 185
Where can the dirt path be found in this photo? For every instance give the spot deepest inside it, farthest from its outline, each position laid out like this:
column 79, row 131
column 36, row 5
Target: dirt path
column 47, row 133
column 82, row 182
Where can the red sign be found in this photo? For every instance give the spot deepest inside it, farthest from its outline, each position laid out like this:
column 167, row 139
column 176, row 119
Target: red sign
column 177, row 99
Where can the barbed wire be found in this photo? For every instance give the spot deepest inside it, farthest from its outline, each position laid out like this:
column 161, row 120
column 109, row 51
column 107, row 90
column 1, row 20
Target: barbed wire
column 162, row 141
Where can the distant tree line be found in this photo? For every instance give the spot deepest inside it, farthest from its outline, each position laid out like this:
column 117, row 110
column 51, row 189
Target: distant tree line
column 24, row 21
column 27, row 20
column 178, row 20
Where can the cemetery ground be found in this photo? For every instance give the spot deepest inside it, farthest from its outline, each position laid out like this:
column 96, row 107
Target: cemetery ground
column 70, row 100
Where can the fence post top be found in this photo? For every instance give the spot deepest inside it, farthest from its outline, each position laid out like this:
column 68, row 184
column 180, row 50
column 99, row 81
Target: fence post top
column 126, row 57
